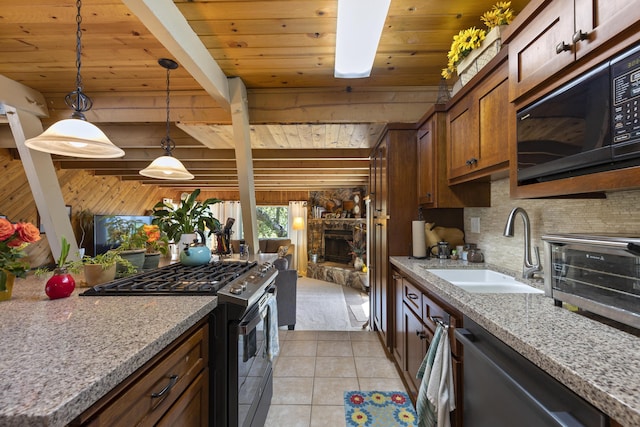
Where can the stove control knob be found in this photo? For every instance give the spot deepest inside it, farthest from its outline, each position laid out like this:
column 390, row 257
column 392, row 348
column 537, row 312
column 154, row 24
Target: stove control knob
column 235, row 289
column 244, row 285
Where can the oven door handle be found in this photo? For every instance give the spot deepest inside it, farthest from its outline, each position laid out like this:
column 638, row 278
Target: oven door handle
column 245, row 327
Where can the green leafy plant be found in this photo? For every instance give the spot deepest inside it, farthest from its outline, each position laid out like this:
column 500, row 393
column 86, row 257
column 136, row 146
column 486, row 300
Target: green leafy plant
column 189, row 216
column 108, row 259
column 125, row 234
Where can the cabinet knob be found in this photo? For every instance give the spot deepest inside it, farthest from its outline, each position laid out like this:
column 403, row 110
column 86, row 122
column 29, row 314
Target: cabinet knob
column 579, row 36
column 429, row 196
column 411, row 295
column 421, row 335
column 472, row 161
column 562, row 47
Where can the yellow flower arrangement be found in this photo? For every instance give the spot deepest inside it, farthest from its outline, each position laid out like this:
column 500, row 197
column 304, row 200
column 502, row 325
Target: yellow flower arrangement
column 467, row 40
column 463, row 43
column 500, row 14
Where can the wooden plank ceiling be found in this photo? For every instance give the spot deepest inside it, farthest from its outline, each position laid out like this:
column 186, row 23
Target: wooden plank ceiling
column 309, row 130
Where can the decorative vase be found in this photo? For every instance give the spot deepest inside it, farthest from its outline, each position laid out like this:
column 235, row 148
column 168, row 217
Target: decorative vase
column 314, row 258
column 135, row 257
column 358, row 263
column 151, row 261
column 470, row 65
column 60, row 285
column 95, row 274
column 6, row 284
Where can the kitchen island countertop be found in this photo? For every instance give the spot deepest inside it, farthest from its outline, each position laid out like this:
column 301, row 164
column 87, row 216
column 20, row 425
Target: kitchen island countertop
column 60, row 356
column 598, row 362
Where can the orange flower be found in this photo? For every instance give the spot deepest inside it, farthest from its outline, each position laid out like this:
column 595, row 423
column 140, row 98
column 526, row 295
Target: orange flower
column 152, row 232
column 14, row 238
column 6, row 229
column 27, row 232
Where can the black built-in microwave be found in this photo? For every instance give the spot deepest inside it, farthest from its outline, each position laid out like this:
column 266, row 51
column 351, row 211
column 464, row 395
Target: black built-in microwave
column 591, row 124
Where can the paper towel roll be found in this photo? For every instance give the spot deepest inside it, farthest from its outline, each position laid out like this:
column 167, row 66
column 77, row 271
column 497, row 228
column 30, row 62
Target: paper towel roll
column 419, row 244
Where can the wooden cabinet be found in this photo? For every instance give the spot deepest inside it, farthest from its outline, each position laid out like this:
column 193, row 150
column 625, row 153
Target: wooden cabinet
column 433, row 186
column 393, row 170
column 479, row 124
column 171, row 389
column 419, row 311
column 557, row 33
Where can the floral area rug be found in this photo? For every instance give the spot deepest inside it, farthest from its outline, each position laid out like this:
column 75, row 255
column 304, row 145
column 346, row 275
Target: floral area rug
column 379, row 409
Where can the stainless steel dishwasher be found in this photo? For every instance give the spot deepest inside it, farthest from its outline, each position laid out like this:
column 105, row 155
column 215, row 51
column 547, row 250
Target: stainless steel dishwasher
column 502, row 388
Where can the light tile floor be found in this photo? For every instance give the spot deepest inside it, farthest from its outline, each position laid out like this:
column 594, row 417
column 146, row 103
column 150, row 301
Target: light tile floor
column 315, row 368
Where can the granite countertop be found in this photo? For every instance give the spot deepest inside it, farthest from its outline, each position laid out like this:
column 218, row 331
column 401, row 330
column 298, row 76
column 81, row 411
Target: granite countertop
column 598, row 362
column 60, row 356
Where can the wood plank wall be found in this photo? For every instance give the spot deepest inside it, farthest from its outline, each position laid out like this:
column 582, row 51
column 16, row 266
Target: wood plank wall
column 100, row 194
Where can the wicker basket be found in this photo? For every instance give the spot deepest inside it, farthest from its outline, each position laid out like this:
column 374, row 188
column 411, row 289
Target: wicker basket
column 478, row 58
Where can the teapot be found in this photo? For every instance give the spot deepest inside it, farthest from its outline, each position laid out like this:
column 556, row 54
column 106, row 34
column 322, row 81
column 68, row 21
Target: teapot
column 196, row 253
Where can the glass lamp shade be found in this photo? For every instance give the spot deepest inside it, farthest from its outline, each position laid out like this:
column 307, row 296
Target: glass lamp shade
column 166, row 167
column 298, row 223
column 75, row 138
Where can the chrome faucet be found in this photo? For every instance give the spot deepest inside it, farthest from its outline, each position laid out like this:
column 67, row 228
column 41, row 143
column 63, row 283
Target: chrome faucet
column 529, row 268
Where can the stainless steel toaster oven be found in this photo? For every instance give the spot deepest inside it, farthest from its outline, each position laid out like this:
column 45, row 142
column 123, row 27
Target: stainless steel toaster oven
column 600, row 274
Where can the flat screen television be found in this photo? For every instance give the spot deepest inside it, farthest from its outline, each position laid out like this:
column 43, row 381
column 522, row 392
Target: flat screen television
column 101, row 242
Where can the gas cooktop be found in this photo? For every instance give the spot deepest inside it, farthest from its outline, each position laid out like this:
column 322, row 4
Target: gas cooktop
column 177, row 279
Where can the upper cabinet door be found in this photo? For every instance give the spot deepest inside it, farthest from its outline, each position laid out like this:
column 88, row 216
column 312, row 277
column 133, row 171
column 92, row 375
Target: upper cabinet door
column 598, row 21
column 543, row 48
column 426, row 164
column 563, row 32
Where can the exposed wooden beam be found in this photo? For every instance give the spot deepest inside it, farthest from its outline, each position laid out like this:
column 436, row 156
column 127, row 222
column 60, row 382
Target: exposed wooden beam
column 165, row 21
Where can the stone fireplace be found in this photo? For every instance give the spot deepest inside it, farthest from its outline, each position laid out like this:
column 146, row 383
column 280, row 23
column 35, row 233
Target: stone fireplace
column 336, row 248
column 329, row 238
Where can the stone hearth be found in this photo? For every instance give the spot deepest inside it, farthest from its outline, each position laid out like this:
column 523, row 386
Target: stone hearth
column 340, row 274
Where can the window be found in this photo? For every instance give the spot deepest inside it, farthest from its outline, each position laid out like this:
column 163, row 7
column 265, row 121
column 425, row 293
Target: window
column 273, row 221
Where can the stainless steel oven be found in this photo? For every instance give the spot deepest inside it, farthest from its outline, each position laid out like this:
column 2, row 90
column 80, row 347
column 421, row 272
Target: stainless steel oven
column 241, row 378
column 600, row 274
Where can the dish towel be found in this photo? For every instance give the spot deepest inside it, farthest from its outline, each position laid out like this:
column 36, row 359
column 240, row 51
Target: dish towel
column 440, row 391
column 424, row 408
column 271, row 328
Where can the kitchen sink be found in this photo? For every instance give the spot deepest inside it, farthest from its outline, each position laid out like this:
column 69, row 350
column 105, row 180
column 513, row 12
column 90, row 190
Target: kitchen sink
column 484, row 281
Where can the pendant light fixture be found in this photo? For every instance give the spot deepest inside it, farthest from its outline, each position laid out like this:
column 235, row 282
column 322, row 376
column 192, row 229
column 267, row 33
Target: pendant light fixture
column 167, row 166
column 75, row 137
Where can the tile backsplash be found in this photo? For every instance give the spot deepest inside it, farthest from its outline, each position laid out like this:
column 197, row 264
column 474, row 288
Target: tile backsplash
column 617, row 213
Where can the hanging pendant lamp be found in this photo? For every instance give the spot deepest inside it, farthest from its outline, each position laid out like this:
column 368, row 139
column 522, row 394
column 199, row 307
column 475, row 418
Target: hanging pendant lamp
column 167, row 166
column 76, row 137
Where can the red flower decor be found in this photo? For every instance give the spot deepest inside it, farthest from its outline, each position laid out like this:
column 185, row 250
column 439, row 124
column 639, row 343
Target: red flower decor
column 14, row 238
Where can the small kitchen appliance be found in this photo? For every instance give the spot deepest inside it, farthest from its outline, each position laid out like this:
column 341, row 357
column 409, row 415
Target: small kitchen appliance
column 600, row 274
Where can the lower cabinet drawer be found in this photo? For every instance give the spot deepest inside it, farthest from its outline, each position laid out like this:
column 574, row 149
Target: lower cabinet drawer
column 412, row 296
column 148, row 395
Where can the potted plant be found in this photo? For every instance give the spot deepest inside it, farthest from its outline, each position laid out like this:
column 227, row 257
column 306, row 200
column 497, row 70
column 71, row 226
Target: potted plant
column 186, row 218
column 102, row 267
column 313, row 256
column 469, row 44
column 85, row 221
column 62, row 283
column 127, row 238
column 157, row 244
column 14, row 238
column 358, row 250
